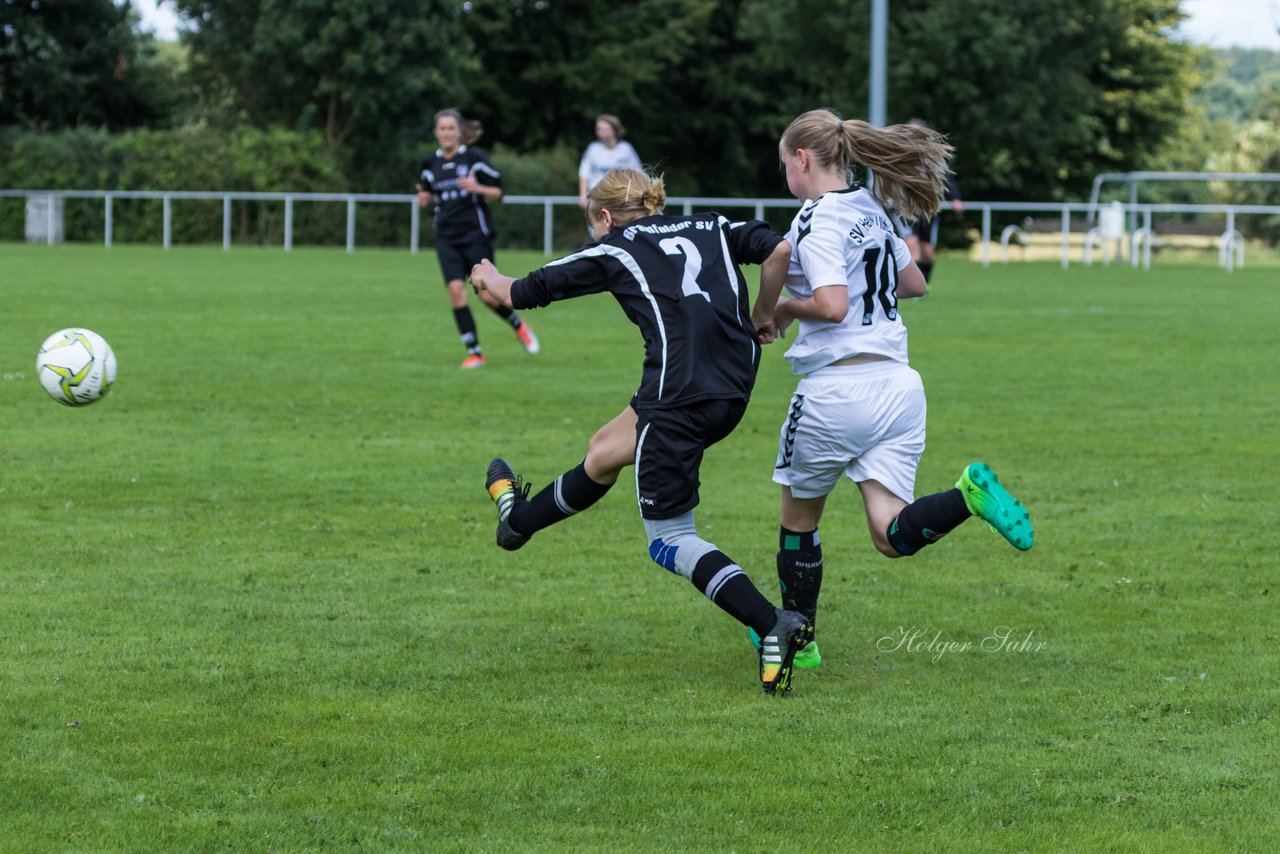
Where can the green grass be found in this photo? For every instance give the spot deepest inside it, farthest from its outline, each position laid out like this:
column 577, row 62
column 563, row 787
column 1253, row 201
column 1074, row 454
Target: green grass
column 251, row 599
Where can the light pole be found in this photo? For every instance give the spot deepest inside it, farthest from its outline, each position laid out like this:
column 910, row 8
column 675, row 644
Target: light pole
column 876, row 108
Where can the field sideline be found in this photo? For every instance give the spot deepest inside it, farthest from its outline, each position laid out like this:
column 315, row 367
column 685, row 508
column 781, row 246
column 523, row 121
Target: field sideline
column 251, row 599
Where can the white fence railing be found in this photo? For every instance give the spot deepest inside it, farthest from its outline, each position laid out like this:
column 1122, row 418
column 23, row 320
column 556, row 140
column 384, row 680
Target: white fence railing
column 1231, row 247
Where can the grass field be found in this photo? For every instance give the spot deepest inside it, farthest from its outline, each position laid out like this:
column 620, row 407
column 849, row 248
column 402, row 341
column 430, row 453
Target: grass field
column 252, row 600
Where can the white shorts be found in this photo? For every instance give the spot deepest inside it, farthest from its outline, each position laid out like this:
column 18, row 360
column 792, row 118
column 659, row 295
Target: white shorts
column 866, row 421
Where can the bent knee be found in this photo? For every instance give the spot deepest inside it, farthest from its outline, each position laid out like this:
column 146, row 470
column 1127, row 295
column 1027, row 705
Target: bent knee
column 680, row 553
column 887, row 550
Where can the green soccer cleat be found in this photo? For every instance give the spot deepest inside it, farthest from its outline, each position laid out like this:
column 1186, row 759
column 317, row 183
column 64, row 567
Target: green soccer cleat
column 986, row 498
column 778, row 649
column 806, row 659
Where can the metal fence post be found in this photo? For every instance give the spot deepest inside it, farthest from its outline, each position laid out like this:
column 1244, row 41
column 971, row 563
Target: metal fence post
column 415, row 224
column 547, row 227
column 351, row 224
column 1229, row 241
column 986, row 235
column 288, row 223
column 1066, row 236
column 226, row 223
column 48, row 221
column 168, row 224
column 1146, row 229
column 106, row 228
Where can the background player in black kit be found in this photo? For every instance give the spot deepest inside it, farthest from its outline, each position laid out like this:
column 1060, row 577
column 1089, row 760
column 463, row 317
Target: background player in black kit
column 461, row 181
column 677, row 278
column 921, row 235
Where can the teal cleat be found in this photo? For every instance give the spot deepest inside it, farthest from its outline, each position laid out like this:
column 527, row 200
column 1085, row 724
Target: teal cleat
column 986, row 498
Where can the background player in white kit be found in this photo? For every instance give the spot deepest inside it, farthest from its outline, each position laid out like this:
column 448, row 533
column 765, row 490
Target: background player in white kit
column 860, row 408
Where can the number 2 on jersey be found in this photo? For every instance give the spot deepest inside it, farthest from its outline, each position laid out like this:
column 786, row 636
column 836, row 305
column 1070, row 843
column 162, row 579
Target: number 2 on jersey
column 692, row 264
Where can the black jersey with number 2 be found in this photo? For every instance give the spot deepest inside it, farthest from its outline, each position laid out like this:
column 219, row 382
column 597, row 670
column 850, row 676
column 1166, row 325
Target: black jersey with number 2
column 459, row 214
column 677, row 278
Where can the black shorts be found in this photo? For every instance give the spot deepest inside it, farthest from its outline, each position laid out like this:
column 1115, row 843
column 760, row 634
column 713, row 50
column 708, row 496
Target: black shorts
column 458, row 257
column 926, row 229
column 669, row 446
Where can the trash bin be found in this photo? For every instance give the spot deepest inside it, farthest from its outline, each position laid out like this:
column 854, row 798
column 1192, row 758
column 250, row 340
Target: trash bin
column 40, row 224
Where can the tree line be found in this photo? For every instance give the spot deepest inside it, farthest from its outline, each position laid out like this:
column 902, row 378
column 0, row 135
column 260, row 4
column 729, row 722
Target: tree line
column 1037, row 99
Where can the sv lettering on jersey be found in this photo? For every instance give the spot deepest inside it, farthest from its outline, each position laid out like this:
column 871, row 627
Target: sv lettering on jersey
column 702, row 225
column 860, row 228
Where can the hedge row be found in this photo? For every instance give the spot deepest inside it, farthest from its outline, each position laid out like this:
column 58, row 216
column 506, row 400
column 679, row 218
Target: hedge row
column 249, row 160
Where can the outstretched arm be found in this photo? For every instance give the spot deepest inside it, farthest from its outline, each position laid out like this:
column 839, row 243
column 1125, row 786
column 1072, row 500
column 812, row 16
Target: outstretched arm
column 486, row 277
column 773, row 273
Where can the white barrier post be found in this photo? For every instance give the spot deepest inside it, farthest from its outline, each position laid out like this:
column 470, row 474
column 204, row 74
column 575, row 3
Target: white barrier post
column 546, row 228
column 168, row 223
column 106, row 229
column 415, row 223
column 1228, row 243
column 351, row 225
column 986, row 236
column 288, row 223
column 1146, row 228
column 226, row 223
column 1066, row 237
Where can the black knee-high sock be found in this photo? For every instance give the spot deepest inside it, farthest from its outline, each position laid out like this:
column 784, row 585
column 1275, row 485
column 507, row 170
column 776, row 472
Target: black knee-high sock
column 800, row 570
column 724, row 583
column 467, row 328
column 508, row 315
column 926, row 267
column 570, row 493
column 926, row 520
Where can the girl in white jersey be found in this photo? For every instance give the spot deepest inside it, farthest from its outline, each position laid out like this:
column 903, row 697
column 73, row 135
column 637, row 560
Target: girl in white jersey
column 860, row 408
column 608, row 151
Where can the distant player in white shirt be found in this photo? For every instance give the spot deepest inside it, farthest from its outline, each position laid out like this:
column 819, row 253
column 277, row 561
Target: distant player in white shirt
column 859, row 411
column 609, row 151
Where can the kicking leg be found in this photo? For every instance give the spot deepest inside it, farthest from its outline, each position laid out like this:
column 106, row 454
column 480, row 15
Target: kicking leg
column 610, row 450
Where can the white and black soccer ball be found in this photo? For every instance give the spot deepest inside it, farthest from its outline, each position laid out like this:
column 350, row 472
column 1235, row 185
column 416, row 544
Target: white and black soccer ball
column 76, row 366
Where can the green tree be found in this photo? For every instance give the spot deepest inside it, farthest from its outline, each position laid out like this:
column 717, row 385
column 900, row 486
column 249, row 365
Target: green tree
column 76, row 63
column 1037, row 99
column 363, row 72
column 551, row 66
column 1256, row 149
column 1040, row 101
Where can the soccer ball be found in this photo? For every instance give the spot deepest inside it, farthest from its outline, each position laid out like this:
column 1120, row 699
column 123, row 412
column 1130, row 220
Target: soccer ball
column 76, row 366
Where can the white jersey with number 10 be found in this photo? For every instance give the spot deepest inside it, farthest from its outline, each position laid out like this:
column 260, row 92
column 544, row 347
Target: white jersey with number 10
column 845, row 238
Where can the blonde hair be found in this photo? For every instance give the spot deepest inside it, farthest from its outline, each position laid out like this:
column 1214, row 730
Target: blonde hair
column 614, row 122
column 909, row 161
column 628, row 194
column 469, row 130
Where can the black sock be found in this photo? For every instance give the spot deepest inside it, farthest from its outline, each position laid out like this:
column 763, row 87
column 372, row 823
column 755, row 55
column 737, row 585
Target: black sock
column 508, row 315
column 926, row 520
column 724, row 583
column 800, row 571
column 467, row 328
column 926, row 267
column 570, row 493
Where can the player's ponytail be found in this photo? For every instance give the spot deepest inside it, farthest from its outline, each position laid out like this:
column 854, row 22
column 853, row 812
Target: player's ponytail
column 472, row 130
column 628, row 194
column 909, row 161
